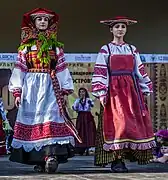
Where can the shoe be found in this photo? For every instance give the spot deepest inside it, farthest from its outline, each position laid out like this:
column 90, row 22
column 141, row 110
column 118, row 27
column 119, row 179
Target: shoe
column 51, row 165
column 118, row 166
column 39, row 169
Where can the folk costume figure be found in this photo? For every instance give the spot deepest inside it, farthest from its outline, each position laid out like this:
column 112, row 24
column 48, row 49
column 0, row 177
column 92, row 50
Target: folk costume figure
column 43, row 133
column 85, row 123
column 121, row 83
column 161, row 151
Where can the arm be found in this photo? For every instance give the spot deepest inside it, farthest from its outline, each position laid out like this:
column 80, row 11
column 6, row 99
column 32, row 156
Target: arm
column 18, row 74
column 63, row 74
column 144, row 80
column 91, row 103
column 75, row 106
column 100, row 80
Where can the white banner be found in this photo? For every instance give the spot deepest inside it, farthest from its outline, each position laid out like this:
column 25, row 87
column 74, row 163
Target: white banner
column 84, row 57
column 8, row 57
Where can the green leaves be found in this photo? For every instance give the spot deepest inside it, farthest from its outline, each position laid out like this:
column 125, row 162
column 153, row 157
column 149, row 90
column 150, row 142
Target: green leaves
column 46, row 44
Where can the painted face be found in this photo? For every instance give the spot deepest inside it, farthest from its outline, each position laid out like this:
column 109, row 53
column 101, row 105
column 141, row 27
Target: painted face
column 41, row 23
column 82, row 93
column 119, row 30
column 164, row 149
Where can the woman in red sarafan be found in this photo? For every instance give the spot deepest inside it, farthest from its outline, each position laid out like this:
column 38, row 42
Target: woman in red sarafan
column 121, row 83
column 85, row 123
column 43, row 133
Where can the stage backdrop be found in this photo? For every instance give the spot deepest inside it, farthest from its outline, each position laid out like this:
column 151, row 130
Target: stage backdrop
column 81, row 68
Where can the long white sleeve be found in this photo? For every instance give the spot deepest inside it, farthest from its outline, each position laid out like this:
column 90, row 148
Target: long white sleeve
column 63, row 74
column 144, row 80
column 100, row 80
column 18, row 74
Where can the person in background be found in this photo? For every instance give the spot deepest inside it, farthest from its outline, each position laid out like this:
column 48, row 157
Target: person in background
column 85, row 123
column 5, row 130
column 122, row 85
column 161, row 151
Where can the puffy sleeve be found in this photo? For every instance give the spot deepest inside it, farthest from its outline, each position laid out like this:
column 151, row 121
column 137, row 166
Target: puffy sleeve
column 75, row 106
column 63, row 74
column 18, row 74
column 91, row 103
column 100, row 80
column 144, row 80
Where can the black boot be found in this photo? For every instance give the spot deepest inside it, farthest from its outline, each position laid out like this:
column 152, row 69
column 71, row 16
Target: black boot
column 87, row 152
column 39, row 168
column 51, row 164
column 118, row 166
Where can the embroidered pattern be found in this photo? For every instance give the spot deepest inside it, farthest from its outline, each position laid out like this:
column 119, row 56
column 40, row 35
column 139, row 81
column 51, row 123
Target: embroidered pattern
column 98, row 86
column 21, row 62
column 40, row 131
column 61, row 64
column 100, row 71
column 17, row 92
column 142, row 70
column 150, row 85
column 103, row 51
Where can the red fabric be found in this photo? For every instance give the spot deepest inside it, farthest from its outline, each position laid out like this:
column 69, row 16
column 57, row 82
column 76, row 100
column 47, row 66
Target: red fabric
column 67, row 91
column 122, row 114
column 27, row 20
column 86, row 127
column 41, row 131
column 17, row 94
column 28, row 27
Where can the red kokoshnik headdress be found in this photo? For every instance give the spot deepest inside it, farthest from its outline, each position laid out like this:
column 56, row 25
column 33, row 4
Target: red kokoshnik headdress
column 28, row 29
column 30, row 35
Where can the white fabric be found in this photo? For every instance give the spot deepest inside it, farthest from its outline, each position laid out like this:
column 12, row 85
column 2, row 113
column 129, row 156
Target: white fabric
column 65, row 79
column 37, row 145
column 38, row 102
column 77, row 106
column 102, row 60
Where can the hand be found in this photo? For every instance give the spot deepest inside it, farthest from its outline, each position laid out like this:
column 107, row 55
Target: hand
column 145, row 98
column 103, row 101
column 17, row 101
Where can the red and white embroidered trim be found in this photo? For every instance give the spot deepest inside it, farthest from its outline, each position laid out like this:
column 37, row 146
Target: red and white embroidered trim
column 17, row 93
column 41, row 131
column 97, row 86
column 67, row 91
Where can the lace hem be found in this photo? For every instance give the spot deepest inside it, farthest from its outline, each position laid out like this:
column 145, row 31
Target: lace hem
column 37, row 145
column 130, row 145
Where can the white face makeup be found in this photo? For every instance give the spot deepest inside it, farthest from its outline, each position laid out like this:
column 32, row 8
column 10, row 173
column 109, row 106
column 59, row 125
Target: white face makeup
column 164, row 150
column 41, row 23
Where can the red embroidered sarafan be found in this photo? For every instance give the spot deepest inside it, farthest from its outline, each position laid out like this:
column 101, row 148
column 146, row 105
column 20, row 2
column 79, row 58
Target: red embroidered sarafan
column 126, row 120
